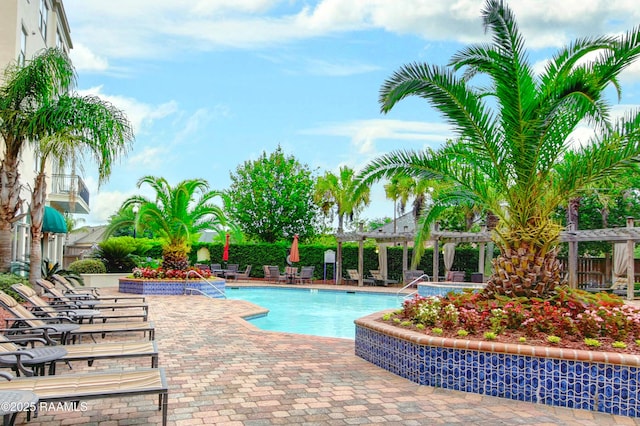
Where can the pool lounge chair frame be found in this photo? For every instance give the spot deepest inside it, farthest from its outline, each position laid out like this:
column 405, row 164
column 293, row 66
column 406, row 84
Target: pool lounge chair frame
column 41, row 307
column 55, row 294
column 64, row 326
column 95, row 385
column 89, row 292
column 88, row 352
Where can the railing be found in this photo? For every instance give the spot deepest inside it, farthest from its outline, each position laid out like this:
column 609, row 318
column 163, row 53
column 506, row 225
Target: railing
column 69, row 184
column 186, row 280
column 420, row 278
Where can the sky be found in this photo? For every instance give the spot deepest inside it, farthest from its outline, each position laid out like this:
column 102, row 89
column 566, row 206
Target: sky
column 211, row 84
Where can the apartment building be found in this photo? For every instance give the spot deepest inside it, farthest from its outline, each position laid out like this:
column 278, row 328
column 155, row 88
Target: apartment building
column 26, row 27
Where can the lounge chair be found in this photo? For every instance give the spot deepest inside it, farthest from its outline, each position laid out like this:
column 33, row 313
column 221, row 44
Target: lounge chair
column 52, row 292
column 306, row 274
column 354, row 277
column 88, row 292
column 34, row 359
column 73, row 311
column 63, row 326
column 86, row 386
column 380, row 280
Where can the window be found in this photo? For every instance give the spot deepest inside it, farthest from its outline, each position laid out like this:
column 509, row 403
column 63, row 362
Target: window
column 23, row 47
column 59, row 42
column 44, row 16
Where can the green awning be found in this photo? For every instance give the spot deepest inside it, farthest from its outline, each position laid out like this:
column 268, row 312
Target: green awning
column 53, row 221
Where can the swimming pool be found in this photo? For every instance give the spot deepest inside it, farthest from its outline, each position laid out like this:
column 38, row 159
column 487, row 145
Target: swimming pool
column 328, row 313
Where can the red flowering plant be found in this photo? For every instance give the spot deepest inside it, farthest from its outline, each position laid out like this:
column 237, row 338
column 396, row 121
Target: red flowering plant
column 579, row 319
column 178, row 274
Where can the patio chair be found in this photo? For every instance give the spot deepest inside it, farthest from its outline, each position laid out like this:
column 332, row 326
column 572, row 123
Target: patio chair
column 56, row 295
column 380, row 280
column 95, row 385
column 42, row 307
column 354, row 277
column 216, row 269
column 267, row 273
column 64, row 326
column 39, row 357
column 275, row 276
column 88, row 292
column 411, row 275
column 232, row 271
column 306, row 274
column 243, row 275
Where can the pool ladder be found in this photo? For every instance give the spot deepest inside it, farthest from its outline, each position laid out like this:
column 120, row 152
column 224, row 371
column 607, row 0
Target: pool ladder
column 420, row 278
column 191, row 290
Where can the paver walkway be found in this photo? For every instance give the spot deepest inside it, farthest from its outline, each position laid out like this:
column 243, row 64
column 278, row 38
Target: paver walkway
column 223, row 371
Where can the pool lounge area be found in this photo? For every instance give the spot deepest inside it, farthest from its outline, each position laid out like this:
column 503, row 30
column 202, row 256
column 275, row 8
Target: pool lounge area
column 223, row 370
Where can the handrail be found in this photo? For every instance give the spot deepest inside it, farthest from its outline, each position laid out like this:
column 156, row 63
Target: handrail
column 411, row 284
column 186, row 280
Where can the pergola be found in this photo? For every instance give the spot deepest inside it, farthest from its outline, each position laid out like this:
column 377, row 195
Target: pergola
column 629, row 234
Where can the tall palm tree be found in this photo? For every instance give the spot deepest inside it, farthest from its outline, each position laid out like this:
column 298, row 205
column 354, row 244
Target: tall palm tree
column 341, row 196
column 513, row 155
column 399, row 188
column 76, row 126
column 25, row 94
column 176, row 215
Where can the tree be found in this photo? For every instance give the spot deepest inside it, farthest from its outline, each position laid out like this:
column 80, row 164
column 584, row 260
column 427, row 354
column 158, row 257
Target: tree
column 25, row 94
column 513, row 155
column 175, row 216
column 341, row 196
column 74, row 126
column 399, row 188
column 271, row 198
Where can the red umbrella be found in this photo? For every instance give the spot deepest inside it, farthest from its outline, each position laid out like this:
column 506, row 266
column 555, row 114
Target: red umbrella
column 294, row 256
column 225, row 252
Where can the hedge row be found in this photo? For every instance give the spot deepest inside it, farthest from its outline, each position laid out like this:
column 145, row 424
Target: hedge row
column 466, row 259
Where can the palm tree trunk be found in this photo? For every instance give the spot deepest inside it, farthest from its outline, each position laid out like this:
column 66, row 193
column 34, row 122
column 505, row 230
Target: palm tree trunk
column 10, row 206
column 37, row 215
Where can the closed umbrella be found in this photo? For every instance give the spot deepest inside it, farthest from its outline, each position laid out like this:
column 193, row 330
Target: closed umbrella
column 294, row 256
column 225, row 252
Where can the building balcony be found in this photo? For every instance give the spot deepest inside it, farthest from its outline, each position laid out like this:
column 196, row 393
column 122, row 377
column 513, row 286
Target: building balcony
column 68, row 193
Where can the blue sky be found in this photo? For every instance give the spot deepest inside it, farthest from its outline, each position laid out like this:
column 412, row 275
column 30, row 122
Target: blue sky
column 210, row 84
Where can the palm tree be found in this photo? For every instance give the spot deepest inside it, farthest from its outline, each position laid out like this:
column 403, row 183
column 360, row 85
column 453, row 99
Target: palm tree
column 26, row 90
column 176, row 215
column 339, row 195
column 400, row 189
column 76, row 126
column 513, row 155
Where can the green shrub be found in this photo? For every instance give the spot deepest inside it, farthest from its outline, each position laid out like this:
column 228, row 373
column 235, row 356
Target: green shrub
column 7, row 280
column 117, row 254
column 88, row 266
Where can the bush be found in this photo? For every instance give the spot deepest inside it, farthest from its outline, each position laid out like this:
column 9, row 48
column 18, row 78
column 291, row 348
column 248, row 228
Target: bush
column 88, row 266
column 117, row 254
column 7, row 280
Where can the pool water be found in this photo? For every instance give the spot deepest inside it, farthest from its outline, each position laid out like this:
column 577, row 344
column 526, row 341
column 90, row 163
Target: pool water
column 328, row 313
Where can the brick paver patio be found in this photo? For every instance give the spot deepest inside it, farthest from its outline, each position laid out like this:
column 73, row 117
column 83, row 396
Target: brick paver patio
column 222, row 370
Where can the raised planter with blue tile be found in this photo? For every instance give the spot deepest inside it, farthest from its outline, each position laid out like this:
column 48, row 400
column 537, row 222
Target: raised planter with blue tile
column 214, row 287
column 600, row 381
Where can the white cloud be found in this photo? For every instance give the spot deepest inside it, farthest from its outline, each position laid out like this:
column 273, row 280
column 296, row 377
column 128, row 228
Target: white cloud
column 365, row 134
column 146, row 28
column 85, row 60
column 139, row 114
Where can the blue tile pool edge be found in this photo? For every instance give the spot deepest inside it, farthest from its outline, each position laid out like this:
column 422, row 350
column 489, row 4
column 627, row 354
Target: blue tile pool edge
column 597, row 381
column 213, row 288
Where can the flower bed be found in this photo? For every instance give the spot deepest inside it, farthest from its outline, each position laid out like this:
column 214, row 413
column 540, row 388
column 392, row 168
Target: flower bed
column 601, row 381
column 213, row 287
